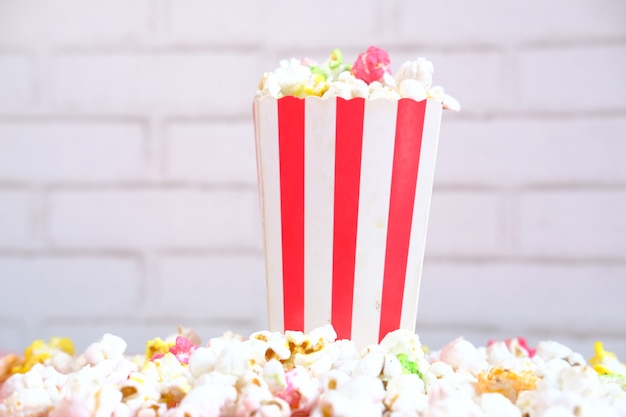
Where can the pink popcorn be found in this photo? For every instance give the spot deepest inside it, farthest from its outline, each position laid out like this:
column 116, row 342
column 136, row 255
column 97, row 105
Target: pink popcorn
column 517, row 346
column 182, row 349
column 372, row 65
column 301, row 391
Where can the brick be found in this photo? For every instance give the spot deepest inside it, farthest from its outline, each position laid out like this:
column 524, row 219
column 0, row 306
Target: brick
column 233, row 22
column 217, row 152
column 213, row 287
column 16, row 226
column 75, row 152
column 574, row 78
column 15, row 82
column 298, row 26
column 516, row 298
column 188, row 83
column 68, row 287
column 33, row 22
column 475, row 78
column 507, row 22
column 150, row 218
column 573, row 224
column 521, row 152
column 465, row 224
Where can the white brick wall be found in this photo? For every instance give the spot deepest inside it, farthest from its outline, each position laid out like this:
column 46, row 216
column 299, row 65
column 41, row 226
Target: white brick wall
column 128, row 197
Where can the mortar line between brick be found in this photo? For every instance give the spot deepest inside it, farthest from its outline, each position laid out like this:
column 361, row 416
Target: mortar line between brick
column 156, row 47
column 151, row 186
column 573, row 43
column 83, row 119
column 52, row 252
column 572, row 260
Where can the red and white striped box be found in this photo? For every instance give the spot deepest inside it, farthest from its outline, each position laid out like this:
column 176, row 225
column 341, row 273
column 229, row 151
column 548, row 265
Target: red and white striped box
column 345, row 189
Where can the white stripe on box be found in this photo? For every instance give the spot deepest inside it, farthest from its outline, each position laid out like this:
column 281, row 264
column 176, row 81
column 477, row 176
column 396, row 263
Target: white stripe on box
column 269, row 172
column 319, row 178
column 379, row 127
column 421, row 208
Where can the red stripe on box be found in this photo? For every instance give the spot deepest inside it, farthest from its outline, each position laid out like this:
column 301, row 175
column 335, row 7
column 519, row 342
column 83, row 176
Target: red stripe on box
column 406, row 156
column 291, row 155
column 348, row 145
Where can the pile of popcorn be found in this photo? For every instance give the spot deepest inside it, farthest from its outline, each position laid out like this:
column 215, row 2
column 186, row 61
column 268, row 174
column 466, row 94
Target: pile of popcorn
column 369, row 77
column 297, row 374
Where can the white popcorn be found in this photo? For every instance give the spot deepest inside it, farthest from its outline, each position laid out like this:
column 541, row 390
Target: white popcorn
column 201, row 361
column 291, row 75
column 273, row 408
column 392, row 367
column 462, row 354
column 359, row 396
column 234, row 359
column 444, row 403
column 206, row 400
column 109, row 347
column 378, row 90
column 497, row 405
column 405, row 394
column 371, row 364
column 549, row 349
column 413, row 89
column 347, row 87
column 437, row 370
column 499, row 354
column 274, row 375
column 419, row 70
column 403, row 341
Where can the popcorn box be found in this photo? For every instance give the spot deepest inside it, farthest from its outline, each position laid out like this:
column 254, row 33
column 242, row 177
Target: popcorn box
column 345, row 189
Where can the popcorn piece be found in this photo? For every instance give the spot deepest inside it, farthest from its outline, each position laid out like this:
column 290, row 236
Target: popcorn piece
column 462, row 354
column 405, row 394
column 201, row 361
column 301, row 391
column 372, row 65
column 413, row 89
column 109, row 347
column 359, row 396
column 420, row 70
column 495, row 404
column 206, row 400
column 605, row 362
column 347, row 86
column 506, row 382
column 182, row 350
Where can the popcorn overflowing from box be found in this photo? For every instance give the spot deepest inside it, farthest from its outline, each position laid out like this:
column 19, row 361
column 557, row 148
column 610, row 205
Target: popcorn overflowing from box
column 346, row 158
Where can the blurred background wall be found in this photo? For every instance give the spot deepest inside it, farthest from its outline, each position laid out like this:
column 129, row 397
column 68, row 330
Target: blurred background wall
column 128, row 200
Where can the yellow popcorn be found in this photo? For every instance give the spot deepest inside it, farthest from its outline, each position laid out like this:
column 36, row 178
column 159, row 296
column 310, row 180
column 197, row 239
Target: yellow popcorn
column 63, row 344
column 605, row 362
column 157, row 346
column 316, row 86
column 40, row 351
column 506, row 382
